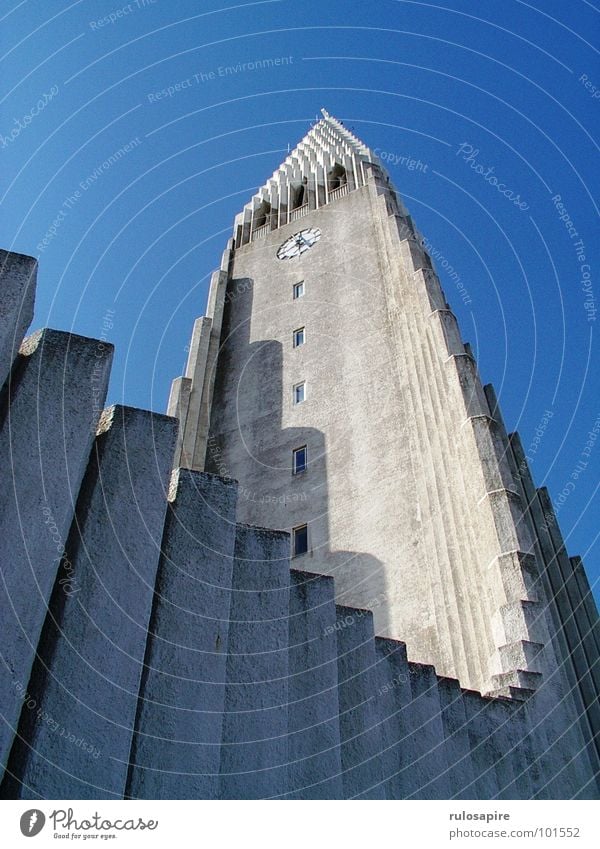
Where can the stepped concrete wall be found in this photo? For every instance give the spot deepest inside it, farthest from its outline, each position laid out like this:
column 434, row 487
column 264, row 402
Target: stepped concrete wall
column 182, row 696
column 254, row 759
column 315, row 767
column 155, row 647
column 89, row 664
column 49, row 412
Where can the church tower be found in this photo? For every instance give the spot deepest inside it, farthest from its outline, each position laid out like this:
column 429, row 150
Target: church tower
column 330, row 379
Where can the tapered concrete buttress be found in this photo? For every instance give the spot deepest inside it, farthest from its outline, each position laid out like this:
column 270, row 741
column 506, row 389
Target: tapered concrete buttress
column 48, row 416
column 456, row 739
column 428, row 728
column 518, row 746
column 315, row 768
column 360, row 723
column 86, row 678
column 503, row 736
column 177, row 744
column 17, row 294
column 500, row 748
column 254, row 754
column 394, row 698
column 483, row 754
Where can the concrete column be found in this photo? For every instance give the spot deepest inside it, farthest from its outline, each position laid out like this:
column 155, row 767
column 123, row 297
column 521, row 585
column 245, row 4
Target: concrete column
column 17, row 293
column 254, row 749
column 428, row 727
column 456, row 739
column 315, row 769
column 360, row 724
column 398, row 750
column 518, row 744
column 176, row 748
column 178, row 406
column 86, row 678
column 483, row 751
column 47, row 425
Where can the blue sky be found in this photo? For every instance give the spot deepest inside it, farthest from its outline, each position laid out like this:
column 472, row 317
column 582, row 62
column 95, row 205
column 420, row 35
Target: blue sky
column 475, row 91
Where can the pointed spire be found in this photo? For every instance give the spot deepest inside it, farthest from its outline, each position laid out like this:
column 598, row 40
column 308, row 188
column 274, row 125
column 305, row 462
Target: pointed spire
column 325, row 165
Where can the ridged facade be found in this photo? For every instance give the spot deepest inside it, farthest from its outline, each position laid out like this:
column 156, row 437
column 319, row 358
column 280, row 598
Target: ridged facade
column 415, row 498
column 434, row 641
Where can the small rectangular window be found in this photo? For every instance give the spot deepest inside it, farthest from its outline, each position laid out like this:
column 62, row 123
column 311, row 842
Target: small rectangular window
column 300, row 460
column 300, row 392
column 298, row 289
column 300, row 540
column 299, row 337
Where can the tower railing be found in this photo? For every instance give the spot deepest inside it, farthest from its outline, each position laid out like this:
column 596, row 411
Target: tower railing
column 299, row 213
column 260, row 232
column 334, row 194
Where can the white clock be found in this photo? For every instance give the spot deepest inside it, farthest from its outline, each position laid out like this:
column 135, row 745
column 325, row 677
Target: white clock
column 299, row 243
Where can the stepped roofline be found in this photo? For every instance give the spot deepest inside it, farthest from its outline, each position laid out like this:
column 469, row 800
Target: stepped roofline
column 329, row 162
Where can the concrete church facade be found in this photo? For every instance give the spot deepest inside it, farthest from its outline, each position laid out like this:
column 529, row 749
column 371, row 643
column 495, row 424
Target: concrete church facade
column 329, row 379
column 413, row 497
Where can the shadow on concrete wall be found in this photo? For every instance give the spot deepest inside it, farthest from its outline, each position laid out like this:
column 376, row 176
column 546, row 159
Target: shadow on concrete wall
column 248, row 442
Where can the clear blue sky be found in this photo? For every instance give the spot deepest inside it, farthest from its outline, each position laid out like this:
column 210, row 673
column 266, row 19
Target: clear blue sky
column 513, row 82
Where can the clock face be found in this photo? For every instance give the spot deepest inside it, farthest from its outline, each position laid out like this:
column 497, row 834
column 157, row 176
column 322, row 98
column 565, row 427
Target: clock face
column 299, row 243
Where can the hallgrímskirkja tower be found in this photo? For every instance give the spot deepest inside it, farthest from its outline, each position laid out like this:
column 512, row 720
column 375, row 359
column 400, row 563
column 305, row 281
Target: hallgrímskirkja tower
column 329, row 378
column 164, row 637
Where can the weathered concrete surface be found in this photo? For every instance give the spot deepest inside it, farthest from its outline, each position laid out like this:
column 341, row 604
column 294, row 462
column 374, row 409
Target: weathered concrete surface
column 47, row 427
column 433, row 766
column 17, row 294
column 176, row 750
column 315, row 769
column 398, row 742
column 483, row 751
column 254, row 754
column 419, row 511
column 86, row 679
column 360, row 721
column 425, row 536
column 457, row 747
column 191, row 396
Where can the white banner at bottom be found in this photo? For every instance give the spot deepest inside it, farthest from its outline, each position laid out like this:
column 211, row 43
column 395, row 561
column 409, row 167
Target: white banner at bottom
column 298, row 825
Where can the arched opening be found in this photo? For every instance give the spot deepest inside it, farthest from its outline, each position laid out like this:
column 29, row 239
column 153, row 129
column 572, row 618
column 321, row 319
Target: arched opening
column 336, row 177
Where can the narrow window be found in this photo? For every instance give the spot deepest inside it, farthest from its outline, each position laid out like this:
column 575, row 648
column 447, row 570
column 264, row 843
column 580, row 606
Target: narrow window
column 300, row 460
column 300, row 540
column 299, row 338
column 298, row 289
column 300, row 392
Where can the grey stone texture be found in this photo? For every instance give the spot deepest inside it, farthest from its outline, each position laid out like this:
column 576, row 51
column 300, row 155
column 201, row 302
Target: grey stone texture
column 360, row 724
column 176, row 751
column 413, row 499
column 18, row 274
column 191, row 657
column 87, row 673
column 254, row 751
column 315, row 767
column 47, row 426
